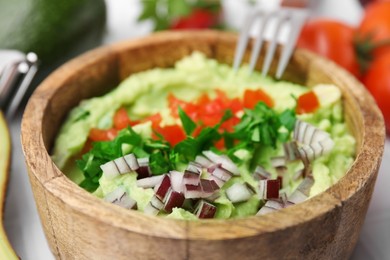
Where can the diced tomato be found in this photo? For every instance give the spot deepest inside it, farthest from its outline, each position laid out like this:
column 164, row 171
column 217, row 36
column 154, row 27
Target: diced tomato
column 307, row 103
column 173, row 134
column 220, row 144
column 228, row 125
column 155, row 119
column 175, row 103
column 122, row 120
column 102, row 135
column 252, row 97
column 235, row 105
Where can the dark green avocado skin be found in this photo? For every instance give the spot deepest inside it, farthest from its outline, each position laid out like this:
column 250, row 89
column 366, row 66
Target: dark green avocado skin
column 56, row 30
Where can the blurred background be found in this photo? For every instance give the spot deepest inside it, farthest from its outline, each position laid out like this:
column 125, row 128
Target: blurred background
column 355, row 34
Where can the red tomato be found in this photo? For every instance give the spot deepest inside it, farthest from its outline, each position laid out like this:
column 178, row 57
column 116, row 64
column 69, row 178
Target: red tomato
column 252, row 97
column 155, row 119
column 333, row 40
column 174, row 104
column 377, row 81
column 307, row 103
column 173, row 134
column 197, row 19
column 102, row 135
column 375, row 26
column 121, row 119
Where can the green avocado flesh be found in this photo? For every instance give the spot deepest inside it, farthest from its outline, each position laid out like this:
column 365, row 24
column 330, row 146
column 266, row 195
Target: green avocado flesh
column 145, row 93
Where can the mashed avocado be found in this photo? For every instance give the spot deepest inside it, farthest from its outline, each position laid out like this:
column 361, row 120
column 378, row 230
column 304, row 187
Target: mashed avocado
column 188, row 79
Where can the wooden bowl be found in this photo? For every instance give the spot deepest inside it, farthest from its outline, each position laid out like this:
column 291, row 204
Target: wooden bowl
column 79, row 225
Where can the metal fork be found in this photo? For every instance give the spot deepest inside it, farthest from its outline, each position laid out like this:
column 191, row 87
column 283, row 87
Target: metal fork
column 295, row 17
column 16, row 73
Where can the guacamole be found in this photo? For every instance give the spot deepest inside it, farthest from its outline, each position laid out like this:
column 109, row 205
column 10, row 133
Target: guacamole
column 175, row 96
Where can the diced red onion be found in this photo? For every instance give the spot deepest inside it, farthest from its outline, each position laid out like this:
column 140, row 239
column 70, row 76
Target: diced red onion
column 172, row 200
column 261, row 174
column 217, row 180
column 278, row 161
column 176, row 180
column 203, row 161
column 122, row 165
column 157, row 203
column 192, row 191
column 195, row 167
column 205, row 209
column 154, row 206
column 144, row 169
column 222, row 174
column 162, row 188
column 269, row 189
column 132, row 161
column 213, row 196
column 291, row 152
column 225, row 161
column 150, row 182
column 239, row 192
column 110, row 170
column 190, row 177
column 120, row 197
column 270, row 206
column 303, row 190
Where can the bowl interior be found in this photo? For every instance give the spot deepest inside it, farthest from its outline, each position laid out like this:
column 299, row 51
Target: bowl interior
column 97, row 72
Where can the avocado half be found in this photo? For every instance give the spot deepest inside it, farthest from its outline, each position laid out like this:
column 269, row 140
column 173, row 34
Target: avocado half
column 6, row 251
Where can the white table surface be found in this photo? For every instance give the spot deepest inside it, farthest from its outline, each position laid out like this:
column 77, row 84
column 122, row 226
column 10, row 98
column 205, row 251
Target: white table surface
column 21, row 220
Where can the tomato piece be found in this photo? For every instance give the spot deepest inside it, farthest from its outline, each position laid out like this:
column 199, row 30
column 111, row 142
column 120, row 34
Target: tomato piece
column 97, row 135
column 377, row 81
column 121, row 119
column 331, row 39
column 220, row 144
column 235, row 105
column 228, row 125
column 174, row 104
column 155, row 119
column 252, row 97
column 197, row 19
column 307, row 103
column 173, row 134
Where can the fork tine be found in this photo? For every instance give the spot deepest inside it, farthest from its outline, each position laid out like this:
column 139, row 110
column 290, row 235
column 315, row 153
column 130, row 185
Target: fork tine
column 243, row 40
column 259, row 42
column 272, row 46
column 295, row 28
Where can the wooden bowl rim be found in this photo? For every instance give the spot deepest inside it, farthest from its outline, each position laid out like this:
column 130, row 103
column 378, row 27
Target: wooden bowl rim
column 86, row 204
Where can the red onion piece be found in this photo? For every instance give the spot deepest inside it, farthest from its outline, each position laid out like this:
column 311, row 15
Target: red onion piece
column 261, row 174
column 222, row 174
column 120, row 197
column 201, row 160
column 162, row 188
column 194, row 167
column 216, row 180
column 303, row 190
column 177, row 180
column 172, row 200
column 225, row 161
column 110, row 170
column 144, row 169
column 190, row 177
column 154, row 206
column 239, row 192
column 291, row 152
column 150, row 182
column 122, row 165
column 278, row 161
column 131, row 161
column 192, row 191
column 269, row 189
column 205, row 209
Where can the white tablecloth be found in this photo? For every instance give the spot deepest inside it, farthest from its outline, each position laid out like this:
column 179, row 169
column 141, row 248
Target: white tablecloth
column 21, row 218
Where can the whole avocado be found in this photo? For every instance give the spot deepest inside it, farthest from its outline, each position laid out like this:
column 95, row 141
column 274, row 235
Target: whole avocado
column 54, row 30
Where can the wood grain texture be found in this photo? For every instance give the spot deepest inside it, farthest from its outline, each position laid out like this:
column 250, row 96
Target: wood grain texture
column 78, row 225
